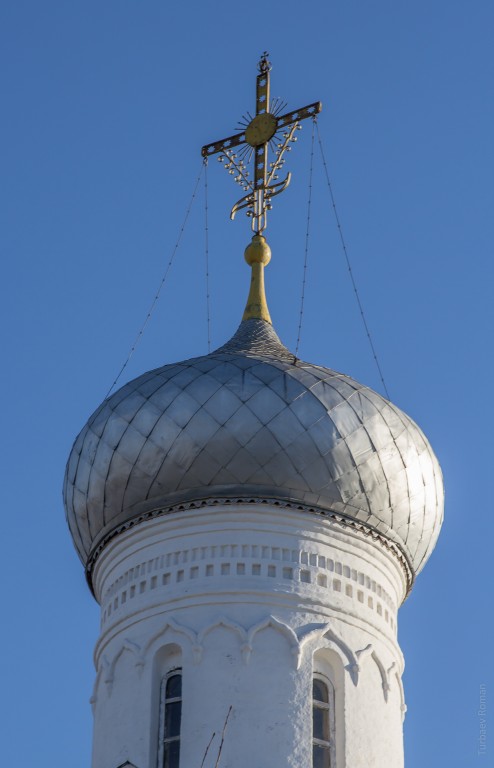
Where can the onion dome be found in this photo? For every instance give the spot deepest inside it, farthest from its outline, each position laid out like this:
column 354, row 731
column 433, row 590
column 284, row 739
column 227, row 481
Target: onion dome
column 251, row 422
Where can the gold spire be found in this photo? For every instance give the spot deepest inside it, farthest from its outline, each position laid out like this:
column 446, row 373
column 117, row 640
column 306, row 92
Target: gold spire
column 257, row 255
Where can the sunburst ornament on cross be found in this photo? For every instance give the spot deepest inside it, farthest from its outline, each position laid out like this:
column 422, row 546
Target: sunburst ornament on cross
column 254, row 137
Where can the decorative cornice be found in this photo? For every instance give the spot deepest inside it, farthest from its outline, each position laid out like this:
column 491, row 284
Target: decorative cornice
column 342, row 520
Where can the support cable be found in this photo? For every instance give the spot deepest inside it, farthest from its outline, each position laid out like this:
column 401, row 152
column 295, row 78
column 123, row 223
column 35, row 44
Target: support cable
column 207, row 749
column 307, row 233
column 160, row 287
column 206, row 241
column 223, row 737
column 349, row 266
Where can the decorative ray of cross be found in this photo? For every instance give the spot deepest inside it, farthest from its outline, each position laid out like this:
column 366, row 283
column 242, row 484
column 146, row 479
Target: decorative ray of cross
column 254, row 137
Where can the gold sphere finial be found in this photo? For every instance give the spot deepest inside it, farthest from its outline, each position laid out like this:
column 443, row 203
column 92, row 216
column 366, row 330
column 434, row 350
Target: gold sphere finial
column 258, row 251
column 257, row 255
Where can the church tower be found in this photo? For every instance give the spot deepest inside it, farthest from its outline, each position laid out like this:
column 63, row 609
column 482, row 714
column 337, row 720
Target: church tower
column 250, row 524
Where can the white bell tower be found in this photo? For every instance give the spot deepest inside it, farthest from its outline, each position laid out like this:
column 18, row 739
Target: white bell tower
column 250, row 524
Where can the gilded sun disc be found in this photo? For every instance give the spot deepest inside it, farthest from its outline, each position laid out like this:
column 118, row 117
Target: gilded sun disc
column 261, row 129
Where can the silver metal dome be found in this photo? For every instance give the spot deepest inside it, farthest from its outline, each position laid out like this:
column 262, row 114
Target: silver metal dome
column 251, row 421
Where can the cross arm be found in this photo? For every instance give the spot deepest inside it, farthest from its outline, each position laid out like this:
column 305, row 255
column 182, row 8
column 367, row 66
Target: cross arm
column 224, row 144
column 239, row 138
column 311, row 110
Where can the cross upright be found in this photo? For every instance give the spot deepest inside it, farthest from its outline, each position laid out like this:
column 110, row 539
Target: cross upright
column 254, row 137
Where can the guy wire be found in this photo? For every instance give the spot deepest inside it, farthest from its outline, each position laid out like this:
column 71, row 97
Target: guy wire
column 307, row 232
column 206, row 243
column 158, row 292
column 343, row 244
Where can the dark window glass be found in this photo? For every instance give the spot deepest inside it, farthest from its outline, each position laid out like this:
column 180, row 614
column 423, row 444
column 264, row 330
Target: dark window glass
column 174, row 687
column 321, row 731
column 320, row 723
column 320, row 757
column 171, row 754
column 320, row 691
column 172, row 715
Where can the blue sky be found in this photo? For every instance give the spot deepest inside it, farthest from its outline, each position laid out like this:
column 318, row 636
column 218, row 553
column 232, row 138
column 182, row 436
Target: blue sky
column 105, row 107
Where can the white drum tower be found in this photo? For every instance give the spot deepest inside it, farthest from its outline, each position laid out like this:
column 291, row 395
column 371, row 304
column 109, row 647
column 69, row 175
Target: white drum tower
column 250, row 524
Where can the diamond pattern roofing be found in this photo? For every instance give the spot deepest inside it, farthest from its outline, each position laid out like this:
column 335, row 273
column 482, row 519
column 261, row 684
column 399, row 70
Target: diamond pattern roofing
column 251, row 420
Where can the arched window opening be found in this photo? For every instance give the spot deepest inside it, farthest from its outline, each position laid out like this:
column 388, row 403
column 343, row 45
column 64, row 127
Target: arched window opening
column 321, row 724
column 170, row 720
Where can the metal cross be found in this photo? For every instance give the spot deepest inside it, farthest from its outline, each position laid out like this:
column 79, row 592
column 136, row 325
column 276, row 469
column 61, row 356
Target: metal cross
column 254, row 137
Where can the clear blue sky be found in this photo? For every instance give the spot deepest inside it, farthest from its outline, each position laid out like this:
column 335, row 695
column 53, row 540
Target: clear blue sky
column 105, row 106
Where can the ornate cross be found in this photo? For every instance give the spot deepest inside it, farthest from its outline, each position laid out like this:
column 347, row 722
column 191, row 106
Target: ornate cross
column 254, row 137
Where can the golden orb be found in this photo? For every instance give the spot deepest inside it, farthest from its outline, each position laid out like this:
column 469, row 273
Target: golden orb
column 258, row 251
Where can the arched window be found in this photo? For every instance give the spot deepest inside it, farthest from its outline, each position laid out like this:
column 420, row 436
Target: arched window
column 322, row 715
column 170, row 719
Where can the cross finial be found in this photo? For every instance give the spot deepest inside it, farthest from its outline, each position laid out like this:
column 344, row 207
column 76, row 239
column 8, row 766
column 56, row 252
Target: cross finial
column 264, row 65
column 254, row 138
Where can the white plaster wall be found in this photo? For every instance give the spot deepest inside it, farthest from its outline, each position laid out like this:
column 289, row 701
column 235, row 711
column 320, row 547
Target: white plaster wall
column 249, row 600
